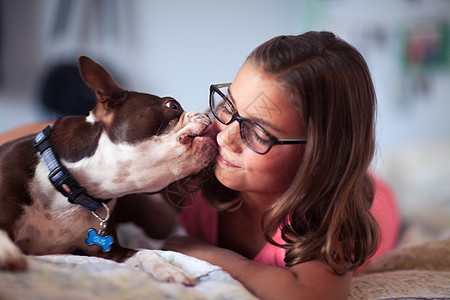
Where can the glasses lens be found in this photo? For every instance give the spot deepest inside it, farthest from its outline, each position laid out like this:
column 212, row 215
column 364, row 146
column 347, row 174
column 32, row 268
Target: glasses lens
column 220, row 108
column 255, row 137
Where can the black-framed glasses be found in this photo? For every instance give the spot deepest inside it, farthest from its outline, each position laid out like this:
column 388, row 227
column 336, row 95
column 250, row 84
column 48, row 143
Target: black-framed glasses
column 253, row 135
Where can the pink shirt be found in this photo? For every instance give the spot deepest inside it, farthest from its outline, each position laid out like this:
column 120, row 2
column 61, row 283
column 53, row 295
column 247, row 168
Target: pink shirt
column 201, row 221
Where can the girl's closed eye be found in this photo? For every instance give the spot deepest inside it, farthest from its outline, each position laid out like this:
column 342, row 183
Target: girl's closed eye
column 255, row 135
column 226, row 110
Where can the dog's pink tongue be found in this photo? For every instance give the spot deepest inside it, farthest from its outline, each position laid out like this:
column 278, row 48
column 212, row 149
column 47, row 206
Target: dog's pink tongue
column 210, row 131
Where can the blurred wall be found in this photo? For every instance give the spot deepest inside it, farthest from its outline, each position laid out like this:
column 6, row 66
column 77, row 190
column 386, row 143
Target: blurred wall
column 179, row 48
column 175, row 48
column 407, row 47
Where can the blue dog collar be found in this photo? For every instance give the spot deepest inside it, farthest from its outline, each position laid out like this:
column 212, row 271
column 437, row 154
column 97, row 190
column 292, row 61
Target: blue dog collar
column 60, row 178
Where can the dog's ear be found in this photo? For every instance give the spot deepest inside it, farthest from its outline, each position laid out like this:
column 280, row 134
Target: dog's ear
column 101, row 82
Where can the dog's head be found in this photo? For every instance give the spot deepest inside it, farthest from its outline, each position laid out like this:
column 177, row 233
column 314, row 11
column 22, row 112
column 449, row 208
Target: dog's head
column 127, row 116
column 152, row 141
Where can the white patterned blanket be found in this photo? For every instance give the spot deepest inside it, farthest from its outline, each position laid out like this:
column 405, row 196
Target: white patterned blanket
column 418, row 271
column 80, row 277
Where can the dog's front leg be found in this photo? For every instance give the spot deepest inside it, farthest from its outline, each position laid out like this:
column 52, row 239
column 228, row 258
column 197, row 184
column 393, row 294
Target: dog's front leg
column 11, row 258
column 152, row 263
column 148, row 261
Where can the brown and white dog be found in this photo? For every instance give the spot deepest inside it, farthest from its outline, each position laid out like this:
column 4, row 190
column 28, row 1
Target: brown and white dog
column 130, row 143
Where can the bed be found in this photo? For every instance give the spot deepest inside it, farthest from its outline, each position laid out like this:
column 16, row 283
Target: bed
column 413, row 271
column 81, row 277
column 419, row 267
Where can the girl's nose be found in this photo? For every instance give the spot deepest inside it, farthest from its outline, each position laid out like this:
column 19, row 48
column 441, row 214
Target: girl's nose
column 229, row 137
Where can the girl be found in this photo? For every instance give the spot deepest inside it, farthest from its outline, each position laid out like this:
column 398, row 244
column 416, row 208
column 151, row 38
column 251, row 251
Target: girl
column 287, row 208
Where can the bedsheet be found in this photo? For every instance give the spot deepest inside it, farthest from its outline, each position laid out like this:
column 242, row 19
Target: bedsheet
column 81, row 277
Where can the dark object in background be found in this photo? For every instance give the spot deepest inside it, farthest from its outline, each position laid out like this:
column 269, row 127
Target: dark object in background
column 77, row 28
column 64, row 92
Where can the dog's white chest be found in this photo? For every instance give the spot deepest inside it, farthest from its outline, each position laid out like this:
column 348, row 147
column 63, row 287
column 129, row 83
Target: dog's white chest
column 51, row 224
column 42, row 231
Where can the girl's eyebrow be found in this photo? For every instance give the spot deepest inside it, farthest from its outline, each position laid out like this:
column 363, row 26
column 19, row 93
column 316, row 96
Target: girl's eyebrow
column 255, row 119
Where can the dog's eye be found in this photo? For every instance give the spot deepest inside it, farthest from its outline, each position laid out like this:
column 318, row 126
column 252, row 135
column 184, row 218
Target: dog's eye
column 172, row 105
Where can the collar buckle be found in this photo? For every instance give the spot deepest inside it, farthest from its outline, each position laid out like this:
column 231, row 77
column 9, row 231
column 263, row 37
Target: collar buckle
column 65, row 184
column 60, row 178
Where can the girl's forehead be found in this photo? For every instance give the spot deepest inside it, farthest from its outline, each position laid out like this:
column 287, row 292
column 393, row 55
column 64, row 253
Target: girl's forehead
column 261, row 109
column 259, row 97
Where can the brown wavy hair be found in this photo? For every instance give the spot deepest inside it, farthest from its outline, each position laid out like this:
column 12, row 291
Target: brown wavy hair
column 325, row 213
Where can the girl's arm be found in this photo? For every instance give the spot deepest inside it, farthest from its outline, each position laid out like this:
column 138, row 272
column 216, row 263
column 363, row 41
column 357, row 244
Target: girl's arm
column 309, row 280
column 151, row 212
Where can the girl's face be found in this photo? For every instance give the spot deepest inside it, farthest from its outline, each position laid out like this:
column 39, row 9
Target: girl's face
column 259, row 98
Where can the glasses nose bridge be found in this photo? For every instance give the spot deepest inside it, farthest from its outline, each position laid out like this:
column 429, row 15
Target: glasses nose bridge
column 236, row 117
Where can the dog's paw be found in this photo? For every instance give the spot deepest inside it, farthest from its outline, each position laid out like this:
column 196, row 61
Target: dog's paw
column 153, row 264
column 197, row 117
column 11, row 258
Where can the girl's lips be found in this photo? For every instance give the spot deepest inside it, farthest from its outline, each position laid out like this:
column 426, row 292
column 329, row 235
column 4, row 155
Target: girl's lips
column 225, row 162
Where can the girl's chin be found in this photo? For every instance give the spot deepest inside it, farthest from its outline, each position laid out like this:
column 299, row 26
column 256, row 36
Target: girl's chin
column 232, row 180
column 228, row 178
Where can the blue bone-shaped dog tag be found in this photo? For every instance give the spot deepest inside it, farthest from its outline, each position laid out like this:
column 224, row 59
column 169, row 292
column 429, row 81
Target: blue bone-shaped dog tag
column 96, row 239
